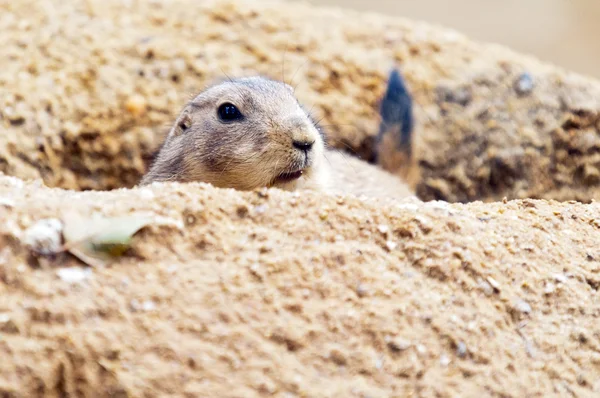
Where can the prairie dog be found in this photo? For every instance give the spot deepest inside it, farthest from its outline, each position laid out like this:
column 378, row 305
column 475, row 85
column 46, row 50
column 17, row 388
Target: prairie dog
column 252, row 132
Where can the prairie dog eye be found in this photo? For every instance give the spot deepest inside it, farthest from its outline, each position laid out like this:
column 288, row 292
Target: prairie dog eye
column 229, row 112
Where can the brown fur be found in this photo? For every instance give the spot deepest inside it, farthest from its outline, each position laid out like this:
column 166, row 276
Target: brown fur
column 252, row 152
column 390, row 157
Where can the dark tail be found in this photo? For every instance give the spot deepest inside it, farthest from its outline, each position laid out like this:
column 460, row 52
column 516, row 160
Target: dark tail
column 397, row 115
column 395, row 141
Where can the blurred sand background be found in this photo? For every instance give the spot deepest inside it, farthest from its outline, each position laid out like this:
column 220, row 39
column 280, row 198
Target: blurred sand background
column 563, row 32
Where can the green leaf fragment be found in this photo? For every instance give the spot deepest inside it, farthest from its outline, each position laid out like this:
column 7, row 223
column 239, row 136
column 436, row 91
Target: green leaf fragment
column 97, row 240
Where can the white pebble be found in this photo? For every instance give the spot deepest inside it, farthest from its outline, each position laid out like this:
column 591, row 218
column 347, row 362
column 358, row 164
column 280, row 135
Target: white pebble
column 444, row 360
column 560, row 278
column 7, row 202
column 523, row 306
column 148, row 305
column 74, row 275
column 494, row 283
column 383, row 228
column 45, row 236
column 260, row 209
column 550, row 288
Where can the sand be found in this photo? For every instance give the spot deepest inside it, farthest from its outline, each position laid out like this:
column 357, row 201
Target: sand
column 271, row 293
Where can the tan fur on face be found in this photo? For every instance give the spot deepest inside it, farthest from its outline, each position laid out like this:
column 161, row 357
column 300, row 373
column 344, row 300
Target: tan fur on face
column 244, row 154
column 251, row 153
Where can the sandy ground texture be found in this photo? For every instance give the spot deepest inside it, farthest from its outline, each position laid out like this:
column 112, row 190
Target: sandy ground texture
column 561, row 32
column 272, row 293
column 88, row 87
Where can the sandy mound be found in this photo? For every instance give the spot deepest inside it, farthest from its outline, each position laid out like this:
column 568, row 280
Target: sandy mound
column 279, row 293
column 89, row 87
column 274, row 293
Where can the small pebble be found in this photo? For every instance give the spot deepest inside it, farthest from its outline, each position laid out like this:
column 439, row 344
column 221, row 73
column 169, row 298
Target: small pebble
column 459, row 95
column 7, row 324
column 6, row 202
column 45, row 236
column 148, row 305
column 337, row 356
column 494, row 283
column 487, row 289
column 461, row 349
column 361, row 290
column 560, row 278
column 522, row 306
column 391, row 245
column 444, row 360
column 74, row 275
column 383, row 229
column 524, row 84
column 398, row 344
column 136, row 105
column 260, row 209
column 550, row 288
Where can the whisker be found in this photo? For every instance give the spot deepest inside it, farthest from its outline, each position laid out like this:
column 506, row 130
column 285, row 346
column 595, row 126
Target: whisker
column 344, row 156
column 320, row 119
column 294, row 75
column 226, row 75
column 275, row 168
column 283, row 66
column 238, row 161
column 339, row 140
column 232, row 82
column 326, row 158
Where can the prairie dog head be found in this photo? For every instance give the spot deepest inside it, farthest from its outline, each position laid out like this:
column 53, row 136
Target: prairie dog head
column 245, row 133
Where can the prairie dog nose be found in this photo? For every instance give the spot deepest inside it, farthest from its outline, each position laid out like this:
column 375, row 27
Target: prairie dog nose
column 301, row 132
column 303, row 145
column 303, row 138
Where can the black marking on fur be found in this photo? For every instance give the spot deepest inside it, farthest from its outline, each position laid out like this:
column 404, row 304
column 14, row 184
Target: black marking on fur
column 396, row 112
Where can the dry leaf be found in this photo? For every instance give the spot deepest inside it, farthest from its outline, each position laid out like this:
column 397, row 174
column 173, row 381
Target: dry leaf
column 96, row 240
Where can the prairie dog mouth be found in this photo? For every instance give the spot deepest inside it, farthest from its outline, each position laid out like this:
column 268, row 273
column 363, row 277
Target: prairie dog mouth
column 287, row 177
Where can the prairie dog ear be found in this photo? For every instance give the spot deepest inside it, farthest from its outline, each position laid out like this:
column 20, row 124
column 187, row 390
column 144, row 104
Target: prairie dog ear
column 182, row 124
